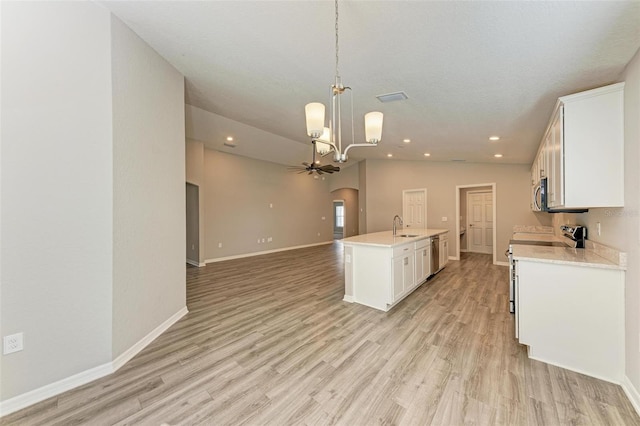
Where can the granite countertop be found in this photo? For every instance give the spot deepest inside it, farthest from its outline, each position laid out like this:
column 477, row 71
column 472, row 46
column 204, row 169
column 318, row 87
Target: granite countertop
column 566, row 256
column 387, row 239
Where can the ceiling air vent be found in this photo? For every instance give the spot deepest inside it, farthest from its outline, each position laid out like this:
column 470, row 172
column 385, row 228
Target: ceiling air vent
column 458, row 160
column 390, row 97
column 230, row 144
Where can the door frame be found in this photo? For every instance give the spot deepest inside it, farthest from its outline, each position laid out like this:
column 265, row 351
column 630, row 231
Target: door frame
column 495, row 216
column 484, row 191
column 424, row 191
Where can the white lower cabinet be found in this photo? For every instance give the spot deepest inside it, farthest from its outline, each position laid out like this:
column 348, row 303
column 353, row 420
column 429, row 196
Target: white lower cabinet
column 444, row 249
column 572, row 316
column 402, row 267
column 422, row 258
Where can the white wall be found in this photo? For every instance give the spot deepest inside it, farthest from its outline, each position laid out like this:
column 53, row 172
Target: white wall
column 149, row 189
column 93, row 196
column 386, row 179
column 56, row 191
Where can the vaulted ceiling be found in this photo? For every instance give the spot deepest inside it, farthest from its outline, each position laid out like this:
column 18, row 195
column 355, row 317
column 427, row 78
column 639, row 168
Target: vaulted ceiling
column 470, row 69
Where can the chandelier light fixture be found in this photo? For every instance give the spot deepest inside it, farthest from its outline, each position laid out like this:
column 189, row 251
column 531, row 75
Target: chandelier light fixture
column 328, row 139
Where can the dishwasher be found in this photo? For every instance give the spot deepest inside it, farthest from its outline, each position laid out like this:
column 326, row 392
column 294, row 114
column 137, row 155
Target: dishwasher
column 435, row 254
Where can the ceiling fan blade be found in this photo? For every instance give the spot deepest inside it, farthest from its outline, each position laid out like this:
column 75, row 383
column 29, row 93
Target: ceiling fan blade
column 304, row 163
column 319, row 171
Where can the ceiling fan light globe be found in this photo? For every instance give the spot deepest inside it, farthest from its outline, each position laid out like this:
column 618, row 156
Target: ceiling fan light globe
column 314, row 113
column 373, row 127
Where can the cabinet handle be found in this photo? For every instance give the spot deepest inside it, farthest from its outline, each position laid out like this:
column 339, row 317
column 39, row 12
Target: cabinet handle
column 406, row 249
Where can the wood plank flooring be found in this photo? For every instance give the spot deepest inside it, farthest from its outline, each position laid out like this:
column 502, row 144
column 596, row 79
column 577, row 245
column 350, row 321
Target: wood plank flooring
column 269, row 341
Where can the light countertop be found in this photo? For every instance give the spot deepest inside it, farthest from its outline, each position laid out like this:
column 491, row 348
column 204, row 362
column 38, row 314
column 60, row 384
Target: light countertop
column 527, row 236
column 561, row 255
column 387, row 239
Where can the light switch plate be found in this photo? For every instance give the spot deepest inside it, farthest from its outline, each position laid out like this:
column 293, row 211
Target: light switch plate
column 12, row 343
column 444, row 218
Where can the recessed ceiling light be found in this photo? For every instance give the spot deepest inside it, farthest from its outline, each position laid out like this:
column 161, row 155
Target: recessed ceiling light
column 498, row 155
column 230, row 138
column 406, row 140
column 389, row 155
column 494, row 138
column 426, row 154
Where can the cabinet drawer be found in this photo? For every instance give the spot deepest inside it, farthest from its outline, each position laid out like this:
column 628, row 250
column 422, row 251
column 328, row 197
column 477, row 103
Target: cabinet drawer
column 403, row 249
column 423, row 243
column 444, row 237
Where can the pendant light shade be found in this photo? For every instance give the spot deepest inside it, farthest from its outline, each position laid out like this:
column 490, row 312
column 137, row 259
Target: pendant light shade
column 314, row 113
column 373, row 127
column 322, row 143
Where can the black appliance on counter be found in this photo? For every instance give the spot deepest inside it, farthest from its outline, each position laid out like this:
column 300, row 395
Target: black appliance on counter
column 575, row 236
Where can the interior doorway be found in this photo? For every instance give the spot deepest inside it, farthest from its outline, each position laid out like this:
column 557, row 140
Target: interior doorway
column 339, row 215
column 476, row 229
column 479, row 222
column 193, row 224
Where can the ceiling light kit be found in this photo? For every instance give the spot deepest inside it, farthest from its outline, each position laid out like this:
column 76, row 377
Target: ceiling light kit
column 327, row 139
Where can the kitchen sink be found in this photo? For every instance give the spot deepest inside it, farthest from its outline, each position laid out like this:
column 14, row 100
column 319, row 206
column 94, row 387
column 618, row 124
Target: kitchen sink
column 408, row 235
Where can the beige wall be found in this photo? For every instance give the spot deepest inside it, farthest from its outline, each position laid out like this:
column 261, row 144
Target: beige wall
column 148, row 189
column 238, row 192
column 347, row 177
column 56, row 191
column 386, row 180
column 350, row 197
column 362, row 197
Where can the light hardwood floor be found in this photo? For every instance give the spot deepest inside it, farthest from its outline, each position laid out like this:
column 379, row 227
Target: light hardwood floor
column 268, row 340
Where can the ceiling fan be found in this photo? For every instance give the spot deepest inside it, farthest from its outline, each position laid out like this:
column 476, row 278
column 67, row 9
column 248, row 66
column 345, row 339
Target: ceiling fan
column 313, row 167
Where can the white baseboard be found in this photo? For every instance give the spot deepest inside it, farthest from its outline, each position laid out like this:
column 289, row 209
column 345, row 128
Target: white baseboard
column 631, row 392
column 258, row 253
column 348, row 299
column 501, row 263
column 196, row 264
column 29, row 398
column 463, row 250
column 37, row 395
column 124, row 357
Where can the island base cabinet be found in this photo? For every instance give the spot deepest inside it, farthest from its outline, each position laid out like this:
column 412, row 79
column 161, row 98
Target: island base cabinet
column 572, row 317
column 403, row 275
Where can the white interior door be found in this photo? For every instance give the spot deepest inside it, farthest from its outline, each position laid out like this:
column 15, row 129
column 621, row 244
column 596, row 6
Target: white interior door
column 480, row 222
column 414, row 208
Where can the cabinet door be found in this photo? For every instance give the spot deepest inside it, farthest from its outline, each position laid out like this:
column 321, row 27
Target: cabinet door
column 408, row 273
column 556, row 171
column 398, row 278
column 420, row 266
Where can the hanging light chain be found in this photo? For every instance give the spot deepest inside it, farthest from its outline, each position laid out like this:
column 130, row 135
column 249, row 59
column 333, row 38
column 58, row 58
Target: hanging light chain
column 337, row 47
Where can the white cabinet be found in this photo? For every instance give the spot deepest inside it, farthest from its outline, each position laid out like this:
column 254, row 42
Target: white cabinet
column 572, row 316
column 422, row 258
column 402, row 267
column 582, row 151
column 444, row 250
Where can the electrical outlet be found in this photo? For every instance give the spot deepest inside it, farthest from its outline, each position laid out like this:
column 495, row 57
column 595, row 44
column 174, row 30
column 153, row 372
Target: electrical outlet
column 444, row 218
column 263, row 240
column 269, row 239
column 219, row 245
column 318, row 234
column 12, row 343
column 323, row 218
column 270, row 205
column 347, row 258
column 258, row 240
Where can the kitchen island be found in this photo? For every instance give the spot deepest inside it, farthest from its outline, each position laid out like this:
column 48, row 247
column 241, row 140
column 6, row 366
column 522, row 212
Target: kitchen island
column 381, row 269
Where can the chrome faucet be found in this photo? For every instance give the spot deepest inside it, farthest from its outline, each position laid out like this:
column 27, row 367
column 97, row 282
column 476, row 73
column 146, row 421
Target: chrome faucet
column 394, row 223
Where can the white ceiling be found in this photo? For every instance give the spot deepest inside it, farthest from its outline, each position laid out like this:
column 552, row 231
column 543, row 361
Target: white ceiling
column 470, row 69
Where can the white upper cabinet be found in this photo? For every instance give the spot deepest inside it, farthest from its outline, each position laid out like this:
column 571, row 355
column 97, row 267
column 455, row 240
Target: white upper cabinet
column 582, row 151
